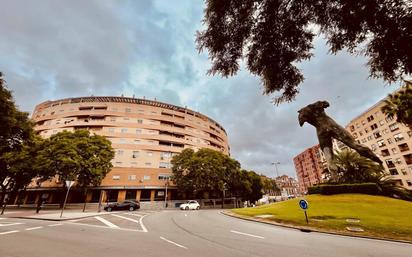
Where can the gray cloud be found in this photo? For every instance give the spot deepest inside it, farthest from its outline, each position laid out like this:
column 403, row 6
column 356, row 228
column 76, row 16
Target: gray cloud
column 54, row 49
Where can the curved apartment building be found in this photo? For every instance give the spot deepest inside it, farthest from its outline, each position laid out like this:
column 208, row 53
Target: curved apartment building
column 145, row 135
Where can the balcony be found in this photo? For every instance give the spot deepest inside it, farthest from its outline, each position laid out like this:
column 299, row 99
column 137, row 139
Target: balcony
column 408, row 159
column 385, row 152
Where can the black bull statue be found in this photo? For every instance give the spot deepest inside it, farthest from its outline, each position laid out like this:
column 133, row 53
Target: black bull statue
column 327, row 129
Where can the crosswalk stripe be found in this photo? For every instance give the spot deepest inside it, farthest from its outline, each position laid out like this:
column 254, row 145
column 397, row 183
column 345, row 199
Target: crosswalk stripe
column 9, row 224
column 136, row 221
column 106, row 222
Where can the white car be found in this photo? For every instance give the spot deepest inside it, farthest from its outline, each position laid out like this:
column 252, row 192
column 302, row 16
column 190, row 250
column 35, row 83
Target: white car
column 190, row 205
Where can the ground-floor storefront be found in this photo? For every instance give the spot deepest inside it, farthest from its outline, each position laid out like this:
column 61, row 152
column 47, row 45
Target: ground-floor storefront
column 93, row 195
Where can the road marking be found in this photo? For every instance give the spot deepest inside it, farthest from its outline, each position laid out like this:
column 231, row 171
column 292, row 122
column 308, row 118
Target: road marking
column 181, row 246
column 33, row 228
column 141, row 224
column 246, row 234
column 9, row 232
column 185, row 215
column 55, row 225
column 106, row 222
column 9, row 224
column 126, row 218
column 97, row 226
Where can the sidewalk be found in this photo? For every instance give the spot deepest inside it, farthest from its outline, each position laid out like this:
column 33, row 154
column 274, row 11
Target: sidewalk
column 52, row 215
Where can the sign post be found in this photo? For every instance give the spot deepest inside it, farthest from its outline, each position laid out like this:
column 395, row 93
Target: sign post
column 69, row 184
column 304, row 205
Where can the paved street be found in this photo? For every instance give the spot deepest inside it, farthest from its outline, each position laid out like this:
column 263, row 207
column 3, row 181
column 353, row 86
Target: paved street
column 177, row 233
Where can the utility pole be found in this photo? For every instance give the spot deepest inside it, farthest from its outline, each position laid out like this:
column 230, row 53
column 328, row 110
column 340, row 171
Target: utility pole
column 167, row 183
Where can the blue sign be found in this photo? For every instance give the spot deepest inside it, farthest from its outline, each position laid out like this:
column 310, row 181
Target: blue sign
column 303, row 204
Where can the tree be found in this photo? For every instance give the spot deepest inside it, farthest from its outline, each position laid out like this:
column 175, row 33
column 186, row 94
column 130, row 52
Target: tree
column 77, row 156
column 269, row 185
column 205, row 171
column 274, row 35
column 399, row 105
column 353, row 168
column 16, row 134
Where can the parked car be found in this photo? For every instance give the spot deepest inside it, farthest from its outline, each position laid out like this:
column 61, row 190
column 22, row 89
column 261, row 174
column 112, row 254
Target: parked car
column 125, row 205
column 190, row 205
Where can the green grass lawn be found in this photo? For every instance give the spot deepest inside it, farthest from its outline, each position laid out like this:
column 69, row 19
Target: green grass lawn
column 379, row 216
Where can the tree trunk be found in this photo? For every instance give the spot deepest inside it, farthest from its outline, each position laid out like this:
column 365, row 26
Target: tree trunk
column 3, row 199
column 85, row 199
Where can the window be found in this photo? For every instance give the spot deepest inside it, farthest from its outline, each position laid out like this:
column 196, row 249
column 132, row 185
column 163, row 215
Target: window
column 390, row 163
column 135, row 154
column 149, row 153
column 393, row 126
column 390, row 141
column 385, row 152
column 360, row 133
column 381, row 143
column 370, row 118
column 164, row 165
column 114, row 109
column 393, row 172
column 125, row 118
column 403, row 147
column 163, row 176
column 398, row 137
column 148, row 164
column 398, row 161
column 111, row 130
column 132, row 177
column 140, row 121
column 128, row 110
column 352, row 128
column 146, row 177
column 112, row 118
column 363, row 122
column 373, row 146
column 394, row 150
column 389, row 118
column 122, row 141
column 370, row 138
column 165, row 154
column 138, row 131
column 404, row 172
column 123, row 130
column 409, row 182
column 133, row 164
column 376, row 134
column 119, row 152
column 137, row 141
column 374, row 126
column 381, row 122
column 366, row 130
column 410, row 133
column 116, row 177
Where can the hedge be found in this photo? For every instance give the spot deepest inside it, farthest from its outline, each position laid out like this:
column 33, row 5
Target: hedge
column 361, row 188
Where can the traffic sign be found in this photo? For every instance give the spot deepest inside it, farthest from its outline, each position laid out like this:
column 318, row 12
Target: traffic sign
column 303, row 204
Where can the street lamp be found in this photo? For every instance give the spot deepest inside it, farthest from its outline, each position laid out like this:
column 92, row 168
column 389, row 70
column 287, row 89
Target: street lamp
column 167, row 183
column 276, row 167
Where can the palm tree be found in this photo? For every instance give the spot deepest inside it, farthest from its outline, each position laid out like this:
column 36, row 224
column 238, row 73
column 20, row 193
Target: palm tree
column 399, row 105
column 353, row 168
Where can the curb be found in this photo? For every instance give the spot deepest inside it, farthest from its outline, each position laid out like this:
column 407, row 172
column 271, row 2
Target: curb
column 307, row 229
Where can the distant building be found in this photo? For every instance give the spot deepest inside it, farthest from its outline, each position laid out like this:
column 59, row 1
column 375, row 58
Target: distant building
column 308, row 167
column 288, row 186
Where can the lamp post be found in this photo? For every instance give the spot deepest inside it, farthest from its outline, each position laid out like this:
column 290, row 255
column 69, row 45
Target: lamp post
column 276, row 167
column 167, row 183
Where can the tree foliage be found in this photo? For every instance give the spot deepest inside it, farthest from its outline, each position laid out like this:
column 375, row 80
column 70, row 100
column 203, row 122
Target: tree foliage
column 209, row 171
column 399, row 105
column 76, row 156
column 272, row 36
column 16, row 138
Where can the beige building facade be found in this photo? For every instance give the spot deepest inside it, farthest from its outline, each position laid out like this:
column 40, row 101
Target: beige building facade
column 389, row 140
column 145, row 135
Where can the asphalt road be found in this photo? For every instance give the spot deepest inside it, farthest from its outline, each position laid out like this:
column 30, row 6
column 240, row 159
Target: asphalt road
column 178, row 233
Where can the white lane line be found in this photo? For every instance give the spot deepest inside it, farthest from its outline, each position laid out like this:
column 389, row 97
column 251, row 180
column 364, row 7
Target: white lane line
column 246, row 234
column 9, row 232
column 55, row 225
column 106, row 222
column 178, row 245
column 9, row 224
column 126, row 218
column 141, row 224
column 33, row 228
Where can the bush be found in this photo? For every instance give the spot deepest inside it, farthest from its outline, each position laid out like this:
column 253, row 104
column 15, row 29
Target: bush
column 360, row 188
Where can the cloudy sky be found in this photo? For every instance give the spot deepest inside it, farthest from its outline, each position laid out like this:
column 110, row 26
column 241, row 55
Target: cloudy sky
column 58, row 49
